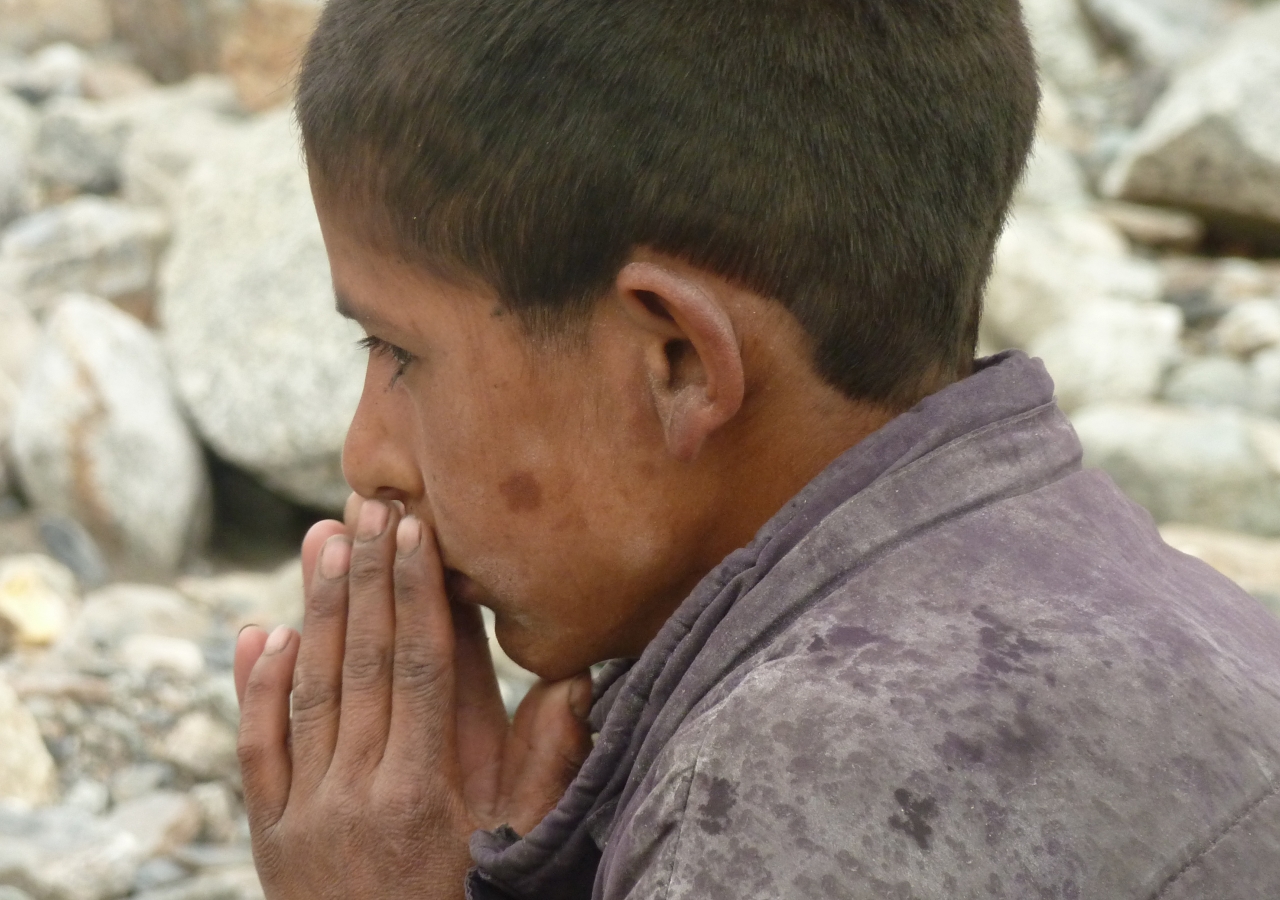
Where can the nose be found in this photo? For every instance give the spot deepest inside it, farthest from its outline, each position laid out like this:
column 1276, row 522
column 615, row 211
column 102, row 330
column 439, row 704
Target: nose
column 377, row 457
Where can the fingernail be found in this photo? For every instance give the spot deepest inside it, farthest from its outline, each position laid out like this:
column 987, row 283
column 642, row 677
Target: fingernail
column 373, row 519
column 243, row 627
column 408, row 535
column 277, row 640
column 335, row 557
column 580, row 696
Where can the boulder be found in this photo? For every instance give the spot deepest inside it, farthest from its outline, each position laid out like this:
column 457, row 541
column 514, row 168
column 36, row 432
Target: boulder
column 90, row 244
column 173, row 39
column 17, row 134
column 78, row 147
column 268, row 372
column 98, row 437
column 1110, row 351
column 1213, row 467
column 28, row 24
column 1153, row 226
column 1064, row 46
column 1249, row 326
column 37, row 595
column 1053, row 178
column 19, row 337
column 27, row 772
column 66, row 853
column 203, row 745
column 160, row 821
column 263, row 53
column 54, row 71
column 1050, row 265
column 113, row 615
column 1211, row 381
column 1160, row 34
column 1212, row 143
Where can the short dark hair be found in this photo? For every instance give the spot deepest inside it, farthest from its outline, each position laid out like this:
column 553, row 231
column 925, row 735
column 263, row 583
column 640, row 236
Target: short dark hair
column 852, row 159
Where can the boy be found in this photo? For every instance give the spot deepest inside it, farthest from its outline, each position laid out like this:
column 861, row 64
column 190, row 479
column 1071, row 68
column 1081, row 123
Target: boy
column 672, row 311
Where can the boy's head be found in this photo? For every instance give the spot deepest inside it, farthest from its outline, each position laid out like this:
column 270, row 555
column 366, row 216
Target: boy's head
column 585, row 210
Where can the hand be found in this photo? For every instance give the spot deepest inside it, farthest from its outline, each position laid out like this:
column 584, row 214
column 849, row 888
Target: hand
column 398, row 746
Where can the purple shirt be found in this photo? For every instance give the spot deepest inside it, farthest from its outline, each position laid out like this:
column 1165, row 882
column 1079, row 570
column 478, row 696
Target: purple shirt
column 956, row 665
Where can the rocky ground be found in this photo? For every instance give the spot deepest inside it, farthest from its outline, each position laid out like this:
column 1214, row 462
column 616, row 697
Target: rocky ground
column 174, row 387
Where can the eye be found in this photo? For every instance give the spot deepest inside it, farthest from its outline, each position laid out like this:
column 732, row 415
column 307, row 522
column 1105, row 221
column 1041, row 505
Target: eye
column 402, row 357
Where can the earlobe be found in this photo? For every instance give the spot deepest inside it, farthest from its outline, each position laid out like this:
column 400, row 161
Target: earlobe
column 696, row 371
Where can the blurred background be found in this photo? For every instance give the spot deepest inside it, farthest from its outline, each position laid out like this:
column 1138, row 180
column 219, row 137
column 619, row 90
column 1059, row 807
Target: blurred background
column 174, row 387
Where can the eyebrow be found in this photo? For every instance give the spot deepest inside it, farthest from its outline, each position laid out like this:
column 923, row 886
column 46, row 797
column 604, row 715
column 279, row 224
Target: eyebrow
column 348, row 310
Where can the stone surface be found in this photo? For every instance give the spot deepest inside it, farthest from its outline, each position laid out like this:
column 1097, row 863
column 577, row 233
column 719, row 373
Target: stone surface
column 160, row 821
column 90, row 244
column 263, row 53
column 98, row 437
column 114, row 614
column 18, row 125
column 78, row 147
column 64, row 853
column 1064, row 48
column 1211, row 381
column 53, row 71
column 1248, row 327
column 267, row 371
column 1152, row 226
column 245, row 598
column 27, row 772
column 203, row 745
column 1212, row 143
column 1052, row 264
column 37, row 596
column 1251, row 562
column 1158, row 33
column 1053, row 178
column 28, row 24
column 1213, row 467
column 1110, row 351
column 173, row 39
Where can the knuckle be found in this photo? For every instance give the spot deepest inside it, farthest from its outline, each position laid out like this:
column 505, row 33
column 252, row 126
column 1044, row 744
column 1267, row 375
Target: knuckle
column 367, row 568
column 314, row 697
column 326, row 601
column 250, row 754
column 418, row 669
column 366, row 665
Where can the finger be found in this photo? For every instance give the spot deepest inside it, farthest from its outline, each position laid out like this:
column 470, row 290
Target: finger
column 370, row 639
column 552, row 739
column 317, row 679
column 422, row 734
column 312, row 544
column 263, row 744
column 351, row 513
column 249, row 645
column 480, row 714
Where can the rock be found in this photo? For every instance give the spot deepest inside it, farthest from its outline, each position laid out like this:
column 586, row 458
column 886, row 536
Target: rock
column 143, row 654
column 265, row 369
column 17, row 136
column 19, row 338
column 219, row 811
column 173, row 39
column 1152, row 226
column 1158, row 33
column 90, row 245
column 1248, row 327
column 27, row 24
column 158, row 873
column 262, row 55
column 98, row 437
column 138, row 780
column 78, row 147
column 27, row 772
column 64, row 853
column 203, row 745
column 12, row 893
column 54, row 71
column 1251, row 562
column 1053, row 178
column 113, row 79
column 1110, row 351
column 160, row 821
column 1264, row 370
column 89, row 795
column 111, row 615
column 1052, row 264
column 70, row 544
column 249, row 598
column 235, row 884
column 1214, row 467
column 1211, row 381
column 36, row 599
column 1212, row 143
column 1064, row 48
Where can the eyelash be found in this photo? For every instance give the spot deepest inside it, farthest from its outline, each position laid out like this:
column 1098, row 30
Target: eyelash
column 401, row 356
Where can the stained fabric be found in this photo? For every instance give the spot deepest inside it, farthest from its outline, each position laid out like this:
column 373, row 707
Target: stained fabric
column 956, row 665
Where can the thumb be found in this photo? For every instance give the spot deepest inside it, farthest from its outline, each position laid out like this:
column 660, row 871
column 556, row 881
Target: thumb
column 553, row 739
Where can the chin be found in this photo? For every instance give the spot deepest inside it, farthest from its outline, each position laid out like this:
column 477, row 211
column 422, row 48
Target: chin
column 547, row 658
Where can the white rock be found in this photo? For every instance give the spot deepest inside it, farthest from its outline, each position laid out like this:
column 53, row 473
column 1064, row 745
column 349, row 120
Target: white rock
column 1110, row 351
column 19, row 338
column 1248, row 327
column 98, row 437
column 160, row 821
column 1212, row 143
column 66, row 853
column 27, row 772
column 218, row 810
column 266, row 369
column 1050, row 265
column 1158, row 33
column 57, row 70
column 90, row 244
column 1213, row 467
column 1264, row 370
column 143, row 654
column 1064, row 48
column 37, row 595
column 203, row 745
column 113, row 614
column 27, row 24
column 1053, row 178
column 244, row 598
column 1211, row 381
column 17, row 134
column 79, row 145
column 162, row 148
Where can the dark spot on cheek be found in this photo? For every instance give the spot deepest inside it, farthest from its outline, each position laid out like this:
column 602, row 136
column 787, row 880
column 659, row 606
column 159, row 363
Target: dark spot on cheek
column 522, row 492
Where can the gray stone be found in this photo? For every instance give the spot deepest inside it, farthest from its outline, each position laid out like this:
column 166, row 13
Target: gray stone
column 1063, row 45
column 1053, row 178
column 28, row 24
column 1212, row 143
column 139, row 780
column 89, row 795
column 219, row 812
column 1264, row 370
column 89, row 244
column 266, row 370
column 159, row 821
column 115, row 613
column 78, row 147
column 27, row 772
column 238, row 884
column 17, row 135
column 1152, row 226
column 203, row 745
column 65, row 853
column 1248, row 327
column 1110, row 351
column 19, row 338
column 1211, row 381
column 157, row 873
column 1158, row 33
column 97, row 436
column 57, row 70
column 12, row 893
column 244, row 598
column 1050, row 265
column 1214, row 467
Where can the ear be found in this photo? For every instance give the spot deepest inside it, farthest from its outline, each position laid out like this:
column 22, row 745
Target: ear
column 692, row 353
